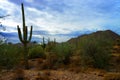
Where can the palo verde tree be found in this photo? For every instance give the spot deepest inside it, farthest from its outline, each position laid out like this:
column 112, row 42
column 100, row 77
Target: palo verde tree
column 23, row 37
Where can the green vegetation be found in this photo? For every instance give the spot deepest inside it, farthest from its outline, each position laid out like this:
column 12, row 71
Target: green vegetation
column 50, row 46
column 36, row 52
column 24, row 37
column 95, row 48
column 58, row 55
column 9, row 56
column 93, row 52
column 64, row 52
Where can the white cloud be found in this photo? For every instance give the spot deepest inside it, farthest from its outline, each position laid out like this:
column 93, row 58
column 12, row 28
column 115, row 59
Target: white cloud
column 13, row 10
column 66, row 22
column 30, row 1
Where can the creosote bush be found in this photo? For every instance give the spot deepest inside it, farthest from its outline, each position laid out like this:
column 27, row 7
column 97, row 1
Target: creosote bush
column 9, row 55
column 64, row 52
column 92, row 53
column 36, row 52
column 50, row 46
column 58, row 56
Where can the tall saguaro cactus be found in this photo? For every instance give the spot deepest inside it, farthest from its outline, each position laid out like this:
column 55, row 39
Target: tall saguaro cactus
column 23, row 37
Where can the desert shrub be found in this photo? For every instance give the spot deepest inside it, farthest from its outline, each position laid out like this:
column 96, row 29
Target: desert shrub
column 50, row 46
column 36, row 52
column 51, row 61
column 58, row 56
column 9, row 55
column 64, row 52
column 93, row 53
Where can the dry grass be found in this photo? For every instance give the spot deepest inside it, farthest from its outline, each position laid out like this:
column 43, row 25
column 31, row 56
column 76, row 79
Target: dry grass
column 44, row 76
column 19, row 74
column 112, row 76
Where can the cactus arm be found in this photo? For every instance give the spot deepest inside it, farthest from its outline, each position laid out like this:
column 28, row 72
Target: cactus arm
column 43, row 41
column 19, row 34
column 30, row 33
column 54, row 40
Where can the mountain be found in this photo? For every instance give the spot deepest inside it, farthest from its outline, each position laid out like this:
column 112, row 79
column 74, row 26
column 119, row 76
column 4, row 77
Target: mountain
column 106, row 35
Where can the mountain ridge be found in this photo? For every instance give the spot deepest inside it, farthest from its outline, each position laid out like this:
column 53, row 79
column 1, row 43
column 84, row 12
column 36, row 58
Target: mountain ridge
column 106, row 34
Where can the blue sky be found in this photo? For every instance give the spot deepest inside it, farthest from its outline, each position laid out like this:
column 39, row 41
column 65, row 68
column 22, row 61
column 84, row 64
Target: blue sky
column 60, row 19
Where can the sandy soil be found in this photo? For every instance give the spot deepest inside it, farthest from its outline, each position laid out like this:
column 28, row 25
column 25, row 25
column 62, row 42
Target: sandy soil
column 55, row 75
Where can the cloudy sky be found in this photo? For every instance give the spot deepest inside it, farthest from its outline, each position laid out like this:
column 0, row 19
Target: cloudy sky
column 60, row 19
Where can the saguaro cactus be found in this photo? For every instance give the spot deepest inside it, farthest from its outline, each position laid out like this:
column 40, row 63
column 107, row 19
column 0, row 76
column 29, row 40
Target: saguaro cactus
column 43, row 43
column 54, row 40
column 23, row 37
